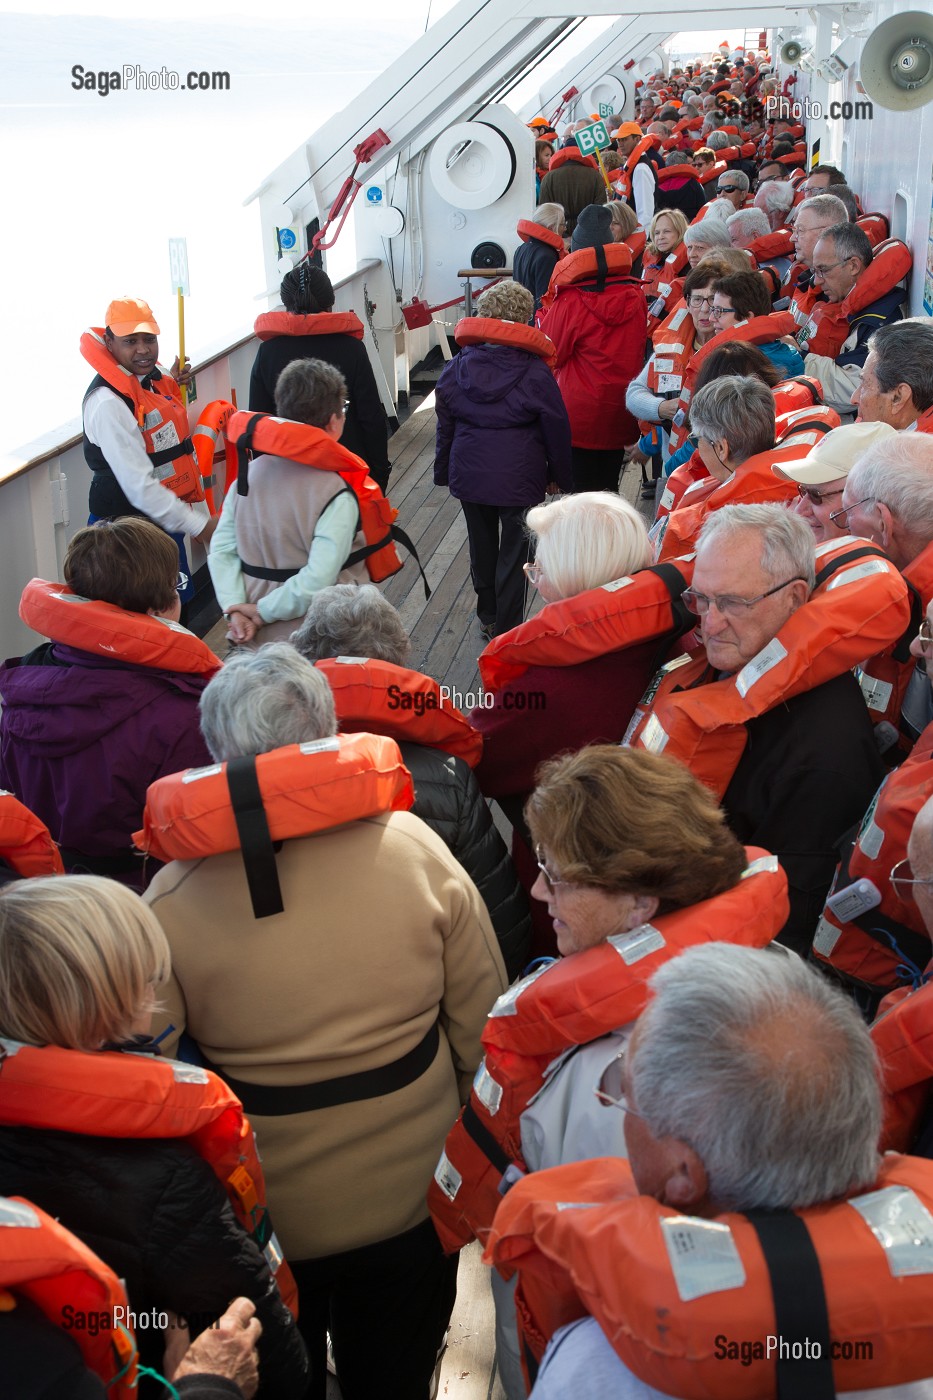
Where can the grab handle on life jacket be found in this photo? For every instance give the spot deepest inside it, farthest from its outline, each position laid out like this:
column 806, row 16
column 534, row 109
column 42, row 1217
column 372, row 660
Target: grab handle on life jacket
column 244, row 453
column 262, row 875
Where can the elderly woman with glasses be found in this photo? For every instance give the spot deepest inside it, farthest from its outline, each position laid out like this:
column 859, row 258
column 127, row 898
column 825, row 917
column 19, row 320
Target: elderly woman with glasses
column 91, row 718
column 603, row 875
column 739, row 298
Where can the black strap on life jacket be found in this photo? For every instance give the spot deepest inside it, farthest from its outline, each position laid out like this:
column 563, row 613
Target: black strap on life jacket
column 279, row 1100
column 244, row 453
column 270, row 575
column 484, row 1140
column 901, row 650
column 861, row 551
column 801, row 1319
column 602, row 268
column 394, row 532
column 683, row 619
column 252, row 826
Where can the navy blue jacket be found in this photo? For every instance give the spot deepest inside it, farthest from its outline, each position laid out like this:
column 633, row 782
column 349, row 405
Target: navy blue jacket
column 502, row 429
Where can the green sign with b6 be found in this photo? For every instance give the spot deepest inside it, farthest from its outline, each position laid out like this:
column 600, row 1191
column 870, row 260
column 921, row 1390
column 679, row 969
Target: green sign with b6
column 592, row 138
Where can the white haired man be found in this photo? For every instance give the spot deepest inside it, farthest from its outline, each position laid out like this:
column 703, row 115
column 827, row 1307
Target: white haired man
column 897, row 379
column 749, row 1086
column 888, row 499
column 810, row 764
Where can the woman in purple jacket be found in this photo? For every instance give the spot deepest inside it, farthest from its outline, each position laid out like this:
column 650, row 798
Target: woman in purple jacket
column 503, row 442
column 83, row 733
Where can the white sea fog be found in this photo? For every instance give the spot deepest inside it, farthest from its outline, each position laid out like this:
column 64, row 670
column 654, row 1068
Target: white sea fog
column 94, row 186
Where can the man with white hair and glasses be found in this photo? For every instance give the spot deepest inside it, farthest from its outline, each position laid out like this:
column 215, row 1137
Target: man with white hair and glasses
column 810, row 764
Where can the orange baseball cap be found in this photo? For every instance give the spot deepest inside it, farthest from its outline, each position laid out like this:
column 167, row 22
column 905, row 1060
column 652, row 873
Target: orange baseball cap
column 130, row 316
column 628, row 129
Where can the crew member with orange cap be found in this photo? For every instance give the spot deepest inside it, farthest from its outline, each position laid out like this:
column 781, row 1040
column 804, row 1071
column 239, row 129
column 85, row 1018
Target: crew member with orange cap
column 136, row 438
column 638, row 178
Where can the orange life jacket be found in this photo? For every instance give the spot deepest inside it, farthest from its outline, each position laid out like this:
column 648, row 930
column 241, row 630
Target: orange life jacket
column 874, row 226
column 924, row 423
column 622, row 179
column 159, row 413
column 571, row 1002
column 617, row 615
column 256, row 433
column 673, row 348
column 636, row 244
column 859, row 600
column 757, row 330
column 486, row 330
column 114, row 1095
column 42, row 1261
column 860, row 947
column 90, row 625
column 884, row 679
column 827, row 328
column 580, row 1234
column 755, row 481
column 270, row 324
column 666, row 273
column 25, row 842
column 582, row 266
column 667, row 302
column 292, row 791
column 527, row 228
column 211, row 425
column 680, row 481
column 768, row 246
column 712, row 172
column 903, row 1036
column 378, row 698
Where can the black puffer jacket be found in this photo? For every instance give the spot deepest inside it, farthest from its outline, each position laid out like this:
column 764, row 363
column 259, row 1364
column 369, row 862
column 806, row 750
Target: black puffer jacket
column 448, row 798
column 156, row 1213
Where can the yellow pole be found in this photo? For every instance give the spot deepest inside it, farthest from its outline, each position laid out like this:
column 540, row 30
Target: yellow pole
column 602, row 168
column 181, row 342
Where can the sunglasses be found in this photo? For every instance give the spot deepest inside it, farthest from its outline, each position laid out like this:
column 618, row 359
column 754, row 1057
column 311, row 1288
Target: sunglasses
column 814, row 494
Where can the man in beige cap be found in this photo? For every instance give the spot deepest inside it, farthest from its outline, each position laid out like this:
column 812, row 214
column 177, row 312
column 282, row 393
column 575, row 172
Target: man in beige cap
column 821, row 476
column 136, row 436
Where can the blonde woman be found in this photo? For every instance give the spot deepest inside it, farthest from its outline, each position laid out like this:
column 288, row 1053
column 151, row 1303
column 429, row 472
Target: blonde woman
column 665, row 234
column 82, row 959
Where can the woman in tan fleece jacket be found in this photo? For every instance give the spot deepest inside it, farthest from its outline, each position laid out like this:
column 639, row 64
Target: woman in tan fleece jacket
column 382, row 937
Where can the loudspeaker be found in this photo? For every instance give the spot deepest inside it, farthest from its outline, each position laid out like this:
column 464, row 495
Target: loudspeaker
column 896, row 67
column 791, row 51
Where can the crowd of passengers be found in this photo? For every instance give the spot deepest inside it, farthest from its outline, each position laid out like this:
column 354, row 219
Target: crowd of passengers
column 266, row 895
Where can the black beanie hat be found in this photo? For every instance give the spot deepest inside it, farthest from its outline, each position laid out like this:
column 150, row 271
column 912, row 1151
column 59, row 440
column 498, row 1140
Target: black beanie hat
column 593, row 229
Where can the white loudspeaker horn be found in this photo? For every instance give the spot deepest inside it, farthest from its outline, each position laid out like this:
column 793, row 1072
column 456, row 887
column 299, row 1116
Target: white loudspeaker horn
column 791, row 51
column 896, row 67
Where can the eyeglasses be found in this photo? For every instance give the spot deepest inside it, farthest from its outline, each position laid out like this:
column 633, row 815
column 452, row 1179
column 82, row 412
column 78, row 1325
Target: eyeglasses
column 814, row 494
column 820, row 272
column 533, row 573
column 696, row 302
column 903, row 880
column 841, row 517
column 550, row 880
column 717, row 311
column 728, row 603
column 610, row 1091
column 764, row 180
column 925, row 638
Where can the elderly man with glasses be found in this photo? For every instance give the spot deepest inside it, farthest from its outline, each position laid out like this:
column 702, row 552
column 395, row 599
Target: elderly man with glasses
column 841, row 257
column 810, row 764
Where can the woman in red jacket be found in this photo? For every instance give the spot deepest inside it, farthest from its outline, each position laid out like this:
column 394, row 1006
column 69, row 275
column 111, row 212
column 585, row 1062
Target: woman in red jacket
column 597, row 318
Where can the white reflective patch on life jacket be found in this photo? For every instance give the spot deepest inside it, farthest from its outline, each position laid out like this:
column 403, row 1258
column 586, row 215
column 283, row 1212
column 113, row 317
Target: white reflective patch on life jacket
column 764, row 865
column 447, row 1177
column 505, row 1005
column 330, row 745
column 273, row 1254
column 638, row 943
column 487, row 1090
column 183, row 1073
column 193, row 774
column 826, row 937
column 18, row 1214
column 616, row 584
column 350, row 660
column 870, row 838
column 677, row 320
column 654, row 736
column 902, row 1225
column 877, row 693
column 704, row 1257
column 752, row 672
column 667, row 499
column 669, row 383
column 798, row 440
column 857, row 571
column 664, row 366
column 577, row 1205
